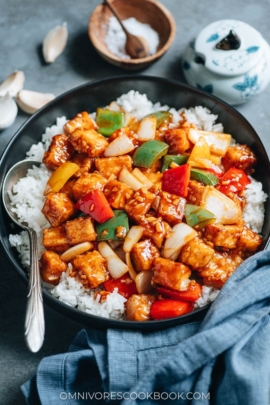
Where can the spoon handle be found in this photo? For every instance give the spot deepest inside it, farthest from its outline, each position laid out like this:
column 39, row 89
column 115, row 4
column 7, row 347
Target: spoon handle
column 111, row 7
column 34, row 318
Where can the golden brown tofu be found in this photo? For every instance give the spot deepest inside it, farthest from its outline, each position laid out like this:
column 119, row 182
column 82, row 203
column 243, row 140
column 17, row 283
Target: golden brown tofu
column 138, row 307
column 223, row 236
column 68, row 189
column 249, row 240
column 139, row 204
column 171, row 208
column 113, row 165
column 59, row 152
column 155, row 229
column 80, row 230
column 143, row 254
column 169, row 273
column 86, row 183
column 81, row 121
column 177, row 140
column 239, row 156
column 58, row 208
column 117, row 194
column 51, row 267
column 55, row 239
column 219, row 269
column 89, row 142
column 195, row 192
column 84, row 162
column 196, row 253
column 91, row 269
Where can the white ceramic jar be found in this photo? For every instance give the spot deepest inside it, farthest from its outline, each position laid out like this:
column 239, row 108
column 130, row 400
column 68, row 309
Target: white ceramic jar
column 236, row 74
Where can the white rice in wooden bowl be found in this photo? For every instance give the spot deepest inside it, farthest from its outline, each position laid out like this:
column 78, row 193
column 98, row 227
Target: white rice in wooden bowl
column 28, row 201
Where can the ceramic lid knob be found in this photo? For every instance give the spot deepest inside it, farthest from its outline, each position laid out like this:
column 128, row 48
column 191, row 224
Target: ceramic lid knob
column 246, row 47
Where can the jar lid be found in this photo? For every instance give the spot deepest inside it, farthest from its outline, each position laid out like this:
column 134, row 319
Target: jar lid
column 229, row 47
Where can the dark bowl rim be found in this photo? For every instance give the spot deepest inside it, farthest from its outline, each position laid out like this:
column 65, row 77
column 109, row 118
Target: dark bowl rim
column 47, row 296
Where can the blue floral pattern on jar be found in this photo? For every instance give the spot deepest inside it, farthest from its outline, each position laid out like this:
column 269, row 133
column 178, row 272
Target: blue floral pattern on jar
column 208, row 88
column 249, row 87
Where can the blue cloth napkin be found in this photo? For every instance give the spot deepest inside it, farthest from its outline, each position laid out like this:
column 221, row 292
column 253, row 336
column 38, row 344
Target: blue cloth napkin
column 225, row 359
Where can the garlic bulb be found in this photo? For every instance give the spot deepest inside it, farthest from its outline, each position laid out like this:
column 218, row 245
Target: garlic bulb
column 31, row 101
column 13, row 84
column 55, row 42
column 8, row 111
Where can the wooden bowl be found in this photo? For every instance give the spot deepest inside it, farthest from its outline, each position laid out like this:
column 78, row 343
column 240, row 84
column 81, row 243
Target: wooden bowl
column 146, row 11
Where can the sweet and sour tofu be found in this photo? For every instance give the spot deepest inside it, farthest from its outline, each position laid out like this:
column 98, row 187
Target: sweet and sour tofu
column 82, row 121
column 143, row 254
column 223, row 236
column 177, row 140
column 239, row 156
column 195, row 192
column 139, row 204
column 59, row 152
column 169, row 273
column 155, row 229
column 55, row 239
column 138, row 307
column 80, row 230
column 91, row 269
column 113, row 165
column 89, row 142
column 196, row 253
column 117, row 194
column 84, row 162
column 249, row 240
column 86, row 183
column 171, row 208
column 58, row 208
column 51, row 267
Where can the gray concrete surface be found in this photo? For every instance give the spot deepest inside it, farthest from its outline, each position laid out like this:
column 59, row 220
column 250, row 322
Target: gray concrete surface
column 23, row 25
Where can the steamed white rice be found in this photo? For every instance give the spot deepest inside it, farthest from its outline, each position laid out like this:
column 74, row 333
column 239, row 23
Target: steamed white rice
column 28, row 200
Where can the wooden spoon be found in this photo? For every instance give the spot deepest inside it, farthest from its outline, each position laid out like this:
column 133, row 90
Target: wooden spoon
column 136, row 47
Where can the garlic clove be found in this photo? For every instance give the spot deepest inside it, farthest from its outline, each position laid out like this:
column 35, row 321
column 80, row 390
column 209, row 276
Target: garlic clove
column 13, row 84
column 55, row 42
column 31, row 101
column 8, row 111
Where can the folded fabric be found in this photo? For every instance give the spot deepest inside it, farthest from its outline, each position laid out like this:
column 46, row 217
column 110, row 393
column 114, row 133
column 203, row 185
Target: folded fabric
column 225, row 359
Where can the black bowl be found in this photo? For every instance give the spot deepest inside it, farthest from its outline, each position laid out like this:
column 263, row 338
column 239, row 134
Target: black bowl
column 99, row 93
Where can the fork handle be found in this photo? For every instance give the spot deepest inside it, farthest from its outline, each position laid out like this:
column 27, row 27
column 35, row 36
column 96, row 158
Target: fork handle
column 34, row 318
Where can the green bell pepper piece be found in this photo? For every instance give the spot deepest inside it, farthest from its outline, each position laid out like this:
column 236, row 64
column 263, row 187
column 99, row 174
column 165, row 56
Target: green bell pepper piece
column 196, row 215
column 149, row 152
column 161, row 117
column 178, row 159
column 209, row 179
column 115, row 228
column 108, row 121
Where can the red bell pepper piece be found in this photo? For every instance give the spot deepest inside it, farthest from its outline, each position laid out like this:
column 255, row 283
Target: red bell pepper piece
column 163, row 309
column 192, row 294
column 175, row 181
column 96, row 205
column 234, row 180
column 126, row 286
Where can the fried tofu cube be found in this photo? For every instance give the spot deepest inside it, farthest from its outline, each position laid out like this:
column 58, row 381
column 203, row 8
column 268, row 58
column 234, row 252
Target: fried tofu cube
column 86, row 183
column 195, row 192
column 196, row 253
column 113, row 165
column 169, row 273
column 59, row 152
column 55, row 239
column 177, row 140
column 89, row 142
column 80, row 230
column 155, row 229
column 171, row 208
column 52, row 267
column 91, row 269
column 219, row 269
column 84, row 162
column 223, row 236
column 140, row 203
column 117, row 194
column 68, row 189
column 138, row 307
column 143, row 254
column 81, row 121
column 249, row 240
column 58, row 208
column 240, row 156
